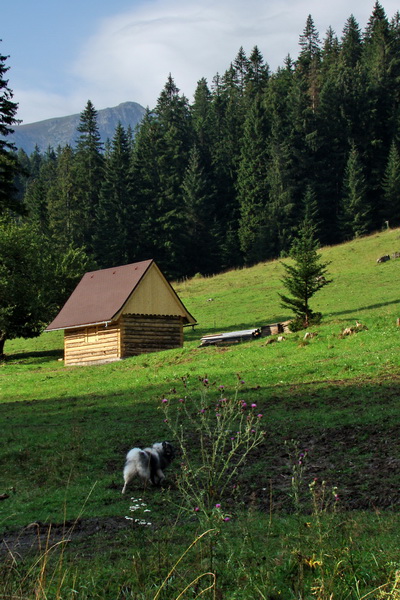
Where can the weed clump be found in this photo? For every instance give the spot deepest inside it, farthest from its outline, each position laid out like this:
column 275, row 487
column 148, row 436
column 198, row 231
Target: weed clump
column 216, row 432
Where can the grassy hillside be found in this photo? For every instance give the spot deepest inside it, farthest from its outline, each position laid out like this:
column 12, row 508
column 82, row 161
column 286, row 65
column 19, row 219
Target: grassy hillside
column 334, row 399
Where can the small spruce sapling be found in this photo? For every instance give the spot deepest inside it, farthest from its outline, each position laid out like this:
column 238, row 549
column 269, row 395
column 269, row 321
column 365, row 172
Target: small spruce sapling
column 305, row 277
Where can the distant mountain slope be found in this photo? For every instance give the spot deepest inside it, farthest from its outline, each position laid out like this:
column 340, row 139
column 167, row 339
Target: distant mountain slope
column 63, row 130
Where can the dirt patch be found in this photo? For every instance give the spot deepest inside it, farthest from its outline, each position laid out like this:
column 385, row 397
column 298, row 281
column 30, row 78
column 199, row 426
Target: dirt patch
column 39, row 537
column 362, row 462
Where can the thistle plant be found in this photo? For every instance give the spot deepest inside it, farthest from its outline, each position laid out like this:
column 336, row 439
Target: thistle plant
column 216, row 431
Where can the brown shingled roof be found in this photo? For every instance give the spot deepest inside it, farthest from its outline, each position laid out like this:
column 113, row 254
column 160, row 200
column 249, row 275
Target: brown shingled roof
column 99, row 296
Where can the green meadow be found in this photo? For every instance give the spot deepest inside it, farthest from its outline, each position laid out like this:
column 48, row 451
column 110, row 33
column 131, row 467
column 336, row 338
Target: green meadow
column 310, row 512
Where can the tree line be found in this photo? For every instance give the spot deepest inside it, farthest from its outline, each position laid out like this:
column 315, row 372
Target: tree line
column 224, row 181
column 227, row 179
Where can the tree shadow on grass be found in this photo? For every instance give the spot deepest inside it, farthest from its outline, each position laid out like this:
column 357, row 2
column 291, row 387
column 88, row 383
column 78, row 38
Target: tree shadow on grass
column 34, row 357
column 370, row 307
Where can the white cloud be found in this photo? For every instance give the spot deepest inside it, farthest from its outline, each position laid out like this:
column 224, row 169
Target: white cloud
column 132, row 53
column 38, row 105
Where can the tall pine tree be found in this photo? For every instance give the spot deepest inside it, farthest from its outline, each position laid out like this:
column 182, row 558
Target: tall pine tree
column 89, row 163
column 391, row 188
column 253, row 189
column 355, row 214
column 9, row 166
column 115, row 234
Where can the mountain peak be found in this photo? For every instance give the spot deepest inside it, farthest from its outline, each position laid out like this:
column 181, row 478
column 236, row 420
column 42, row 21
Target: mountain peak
column 61, row 131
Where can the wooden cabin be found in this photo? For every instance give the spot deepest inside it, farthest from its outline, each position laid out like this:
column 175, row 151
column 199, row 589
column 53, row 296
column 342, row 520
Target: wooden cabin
column 120, row 312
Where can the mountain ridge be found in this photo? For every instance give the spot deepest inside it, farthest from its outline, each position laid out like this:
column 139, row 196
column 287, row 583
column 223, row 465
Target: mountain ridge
column 60, row 131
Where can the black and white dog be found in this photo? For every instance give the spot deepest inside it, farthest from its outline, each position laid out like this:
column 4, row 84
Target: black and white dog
column 148, row 463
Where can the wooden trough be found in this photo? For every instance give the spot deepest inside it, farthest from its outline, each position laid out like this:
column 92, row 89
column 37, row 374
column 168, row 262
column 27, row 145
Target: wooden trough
column 245, row 335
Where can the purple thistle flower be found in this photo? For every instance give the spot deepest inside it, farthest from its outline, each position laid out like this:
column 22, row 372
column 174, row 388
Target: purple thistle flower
column 217, row 506
column 164, row 400
column 244, row 404
column 254, row 405
column 227, row 519
column 196, row 509
column 259, row 416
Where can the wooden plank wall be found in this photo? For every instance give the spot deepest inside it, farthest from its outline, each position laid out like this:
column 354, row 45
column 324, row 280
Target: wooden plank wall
column 149, row 333
column 90, row 344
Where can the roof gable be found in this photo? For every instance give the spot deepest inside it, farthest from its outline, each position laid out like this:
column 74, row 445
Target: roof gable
column 101, row 296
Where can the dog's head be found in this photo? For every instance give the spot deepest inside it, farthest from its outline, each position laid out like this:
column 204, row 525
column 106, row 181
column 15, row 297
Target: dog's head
column 168, row 451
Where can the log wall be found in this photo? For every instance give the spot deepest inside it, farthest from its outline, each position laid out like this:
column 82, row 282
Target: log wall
column 149, row 333
column 130, row 336
column 91, row 344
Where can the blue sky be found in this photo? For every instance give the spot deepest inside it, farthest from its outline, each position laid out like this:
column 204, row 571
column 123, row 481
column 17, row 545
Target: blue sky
column 65, row 52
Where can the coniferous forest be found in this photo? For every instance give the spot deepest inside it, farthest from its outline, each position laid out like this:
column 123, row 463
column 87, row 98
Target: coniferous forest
column 225, row 180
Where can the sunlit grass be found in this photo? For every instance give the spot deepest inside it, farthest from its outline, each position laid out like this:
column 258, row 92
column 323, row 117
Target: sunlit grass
column 66, row 431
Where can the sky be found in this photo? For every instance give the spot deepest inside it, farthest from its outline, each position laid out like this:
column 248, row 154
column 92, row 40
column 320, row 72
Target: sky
column 63, row 53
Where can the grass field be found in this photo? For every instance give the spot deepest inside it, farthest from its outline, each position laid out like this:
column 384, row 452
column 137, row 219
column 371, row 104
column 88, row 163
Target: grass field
column 311, row 513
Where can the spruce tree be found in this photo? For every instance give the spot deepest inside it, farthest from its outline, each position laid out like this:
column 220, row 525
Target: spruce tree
column 36, row 198
column 175, row 140
column 351, row 44
column 304, row 278
column 257, row 74
column 160, row 157
column 282, row 171
column 64, row 210
column 9, row 166
column 311, row 209
column 253, row 186
column 331, row 158
column 203, row 123
column 355, row 211
column 89, row 174
column 382, row 105
column 280, row 210
column 145, row 186
column 309, row 59
column 391, row 188
column 114, row 237
column 200, row 232
column 330, row 51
